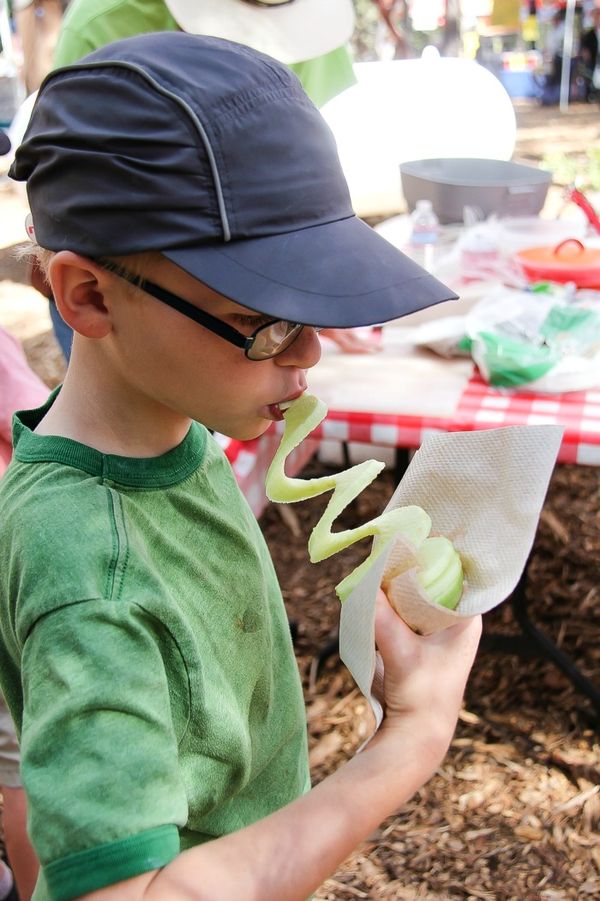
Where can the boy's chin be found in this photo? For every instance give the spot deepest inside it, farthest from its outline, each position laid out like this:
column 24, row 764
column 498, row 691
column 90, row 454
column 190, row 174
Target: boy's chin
column 248, row 432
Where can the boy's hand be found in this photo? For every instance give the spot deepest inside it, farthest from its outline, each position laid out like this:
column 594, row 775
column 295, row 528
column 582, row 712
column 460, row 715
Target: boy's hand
column 424, row 675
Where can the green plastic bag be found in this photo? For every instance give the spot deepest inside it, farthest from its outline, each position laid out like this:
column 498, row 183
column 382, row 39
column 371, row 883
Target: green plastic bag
column 520, row 337
column 574, row 327
column 508, row 362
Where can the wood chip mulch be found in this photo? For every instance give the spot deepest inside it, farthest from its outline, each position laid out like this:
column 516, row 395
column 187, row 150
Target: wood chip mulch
column 513, row 813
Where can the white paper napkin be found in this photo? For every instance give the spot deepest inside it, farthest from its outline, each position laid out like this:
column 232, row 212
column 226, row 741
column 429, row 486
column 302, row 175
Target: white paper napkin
column 483, row 490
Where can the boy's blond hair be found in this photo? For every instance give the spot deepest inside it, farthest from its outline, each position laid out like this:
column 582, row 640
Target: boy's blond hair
column 128, row 264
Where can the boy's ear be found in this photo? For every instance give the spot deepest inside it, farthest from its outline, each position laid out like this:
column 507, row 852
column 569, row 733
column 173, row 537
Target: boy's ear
column 78, row 287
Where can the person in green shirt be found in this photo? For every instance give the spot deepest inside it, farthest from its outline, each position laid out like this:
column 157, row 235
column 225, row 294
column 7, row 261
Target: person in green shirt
column 308, row 35
column 191, row 215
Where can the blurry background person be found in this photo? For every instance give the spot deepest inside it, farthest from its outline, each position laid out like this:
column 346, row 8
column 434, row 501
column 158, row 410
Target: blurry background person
column 310, row 36
column 555, row 39
column 37, row 23
column 588, row 50
column 20, row 388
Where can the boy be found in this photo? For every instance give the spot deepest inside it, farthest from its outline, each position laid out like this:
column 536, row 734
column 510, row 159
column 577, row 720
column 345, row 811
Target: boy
column 196, row 229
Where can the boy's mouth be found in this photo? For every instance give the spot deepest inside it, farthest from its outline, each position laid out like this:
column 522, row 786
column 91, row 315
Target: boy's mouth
column 276, row 411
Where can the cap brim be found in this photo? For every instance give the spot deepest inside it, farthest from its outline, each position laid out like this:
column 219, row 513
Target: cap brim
column 339, row 275
column 291, row 33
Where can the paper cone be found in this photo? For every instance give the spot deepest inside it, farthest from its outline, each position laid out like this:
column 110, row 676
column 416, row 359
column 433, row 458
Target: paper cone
column 484, row 491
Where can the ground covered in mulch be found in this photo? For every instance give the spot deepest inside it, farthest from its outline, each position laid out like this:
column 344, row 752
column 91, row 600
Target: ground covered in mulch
column 514, row 811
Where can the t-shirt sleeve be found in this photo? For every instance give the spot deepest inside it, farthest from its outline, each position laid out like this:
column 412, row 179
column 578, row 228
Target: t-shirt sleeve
column 87, row 26
column 70, row 48
column 324, row 77
column 99, row 750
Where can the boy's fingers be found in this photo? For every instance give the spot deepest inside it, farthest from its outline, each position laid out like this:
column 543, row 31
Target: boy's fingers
column 390, row 627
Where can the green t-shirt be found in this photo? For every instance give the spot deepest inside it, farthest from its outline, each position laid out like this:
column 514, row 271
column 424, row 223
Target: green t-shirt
column 90, row 24
column 145, row 656
column 326, row 76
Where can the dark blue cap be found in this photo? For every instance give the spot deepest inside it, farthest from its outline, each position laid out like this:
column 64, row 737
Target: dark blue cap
column 212, row 154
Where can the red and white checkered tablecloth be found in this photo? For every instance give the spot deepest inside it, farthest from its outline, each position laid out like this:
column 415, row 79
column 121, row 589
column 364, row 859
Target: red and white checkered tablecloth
column 483, row 407
column 479, row 407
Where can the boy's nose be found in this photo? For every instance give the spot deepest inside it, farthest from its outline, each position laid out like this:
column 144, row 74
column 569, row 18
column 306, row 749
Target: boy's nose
column 304, row 352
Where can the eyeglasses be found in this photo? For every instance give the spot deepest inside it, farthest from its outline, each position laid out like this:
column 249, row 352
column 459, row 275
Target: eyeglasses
column 265, row 342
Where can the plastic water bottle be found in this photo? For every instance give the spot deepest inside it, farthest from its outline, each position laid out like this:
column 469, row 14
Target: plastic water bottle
column 479, row 255
column 425, row 230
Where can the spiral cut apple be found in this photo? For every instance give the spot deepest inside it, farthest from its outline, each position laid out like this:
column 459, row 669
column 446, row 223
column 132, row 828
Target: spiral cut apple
column 437, row 565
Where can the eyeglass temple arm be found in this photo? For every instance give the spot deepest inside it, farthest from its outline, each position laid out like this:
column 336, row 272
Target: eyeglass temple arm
column 200, row 316
column 179, row 304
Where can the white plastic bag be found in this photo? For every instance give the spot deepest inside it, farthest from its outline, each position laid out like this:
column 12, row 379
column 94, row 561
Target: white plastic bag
column 547, row 340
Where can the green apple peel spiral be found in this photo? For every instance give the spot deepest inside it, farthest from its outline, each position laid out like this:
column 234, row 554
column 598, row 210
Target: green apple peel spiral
column 438, row 565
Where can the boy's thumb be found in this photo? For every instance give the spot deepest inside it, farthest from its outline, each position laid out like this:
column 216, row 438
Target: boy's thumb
column 389, row 626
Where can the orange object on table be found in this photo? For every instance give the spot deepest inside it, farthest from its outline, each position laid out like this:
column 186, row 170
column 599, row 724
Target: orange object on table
column 569, row 261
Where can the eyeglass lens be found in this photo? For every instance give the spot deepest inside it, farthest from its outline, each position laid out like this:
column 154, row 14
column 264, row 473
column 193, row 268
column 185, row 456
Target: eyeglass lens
column 273, row 339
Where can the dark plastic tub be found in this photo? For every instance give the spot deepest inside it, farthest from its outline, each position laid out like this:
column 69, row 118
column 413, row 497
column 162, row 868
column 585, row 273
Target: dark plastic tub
column 489, row 186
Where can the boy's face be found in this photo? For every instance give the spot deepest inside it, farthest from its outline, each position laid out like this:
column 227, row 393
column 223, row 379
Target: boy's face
column 182, row 366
